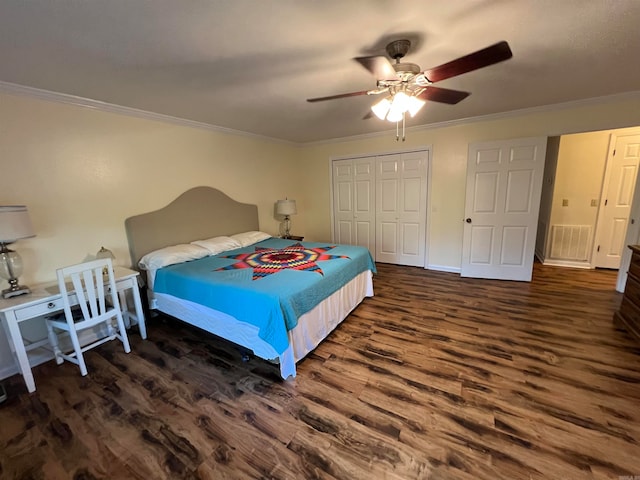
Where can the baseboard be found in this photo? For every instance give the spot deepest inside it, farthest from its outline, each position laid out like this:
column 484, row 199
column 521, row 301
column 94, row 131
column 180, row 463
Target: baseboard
column 8, row 371
column 444, row 268
column 568, row 263
column 36, row 357
column 40, row 355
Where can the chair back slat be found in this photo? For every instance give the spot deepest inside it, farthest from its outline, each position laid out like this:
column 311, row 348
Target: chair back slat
column 79, row 290
column 98, row 274
column 90, row 290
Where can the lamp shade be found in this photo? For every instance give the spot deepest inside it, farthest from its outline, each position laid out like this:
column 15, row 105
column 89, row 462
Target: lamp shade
column 381, row 108
column 286, row 207
column 105, row 253
column 15, row 223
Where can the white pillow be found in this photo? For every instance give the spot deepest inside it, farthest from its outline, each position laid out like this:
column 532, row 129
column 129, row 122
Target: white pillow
column 249, row 238
column 170, row 255
column 217, row 245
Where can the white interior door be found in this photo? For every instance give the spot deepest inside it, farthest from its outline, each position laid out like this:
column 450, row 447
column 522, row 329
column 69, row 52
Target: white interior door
column 504, row 184
column 615, row 207
column 401, row 200
column 353, row 202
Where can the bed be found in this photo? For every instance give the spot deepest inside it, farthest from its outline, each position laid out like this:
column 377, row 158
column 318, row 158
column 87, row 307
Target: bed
column 207, row 263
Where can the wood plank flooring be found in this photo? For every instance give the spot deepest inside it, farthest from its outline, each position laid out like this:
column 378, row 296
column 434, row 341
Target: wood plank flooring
column 436, row 377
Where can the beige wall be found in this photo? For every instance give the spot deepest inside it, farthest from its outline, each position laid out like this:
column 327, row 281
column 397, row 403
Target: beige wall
column 81, row 172
column 449, row 148
column 581, row 162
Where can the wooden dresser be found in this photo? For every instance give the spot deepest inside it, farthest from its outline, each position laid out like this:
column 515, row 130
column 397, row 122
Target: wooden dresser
column 628, row 316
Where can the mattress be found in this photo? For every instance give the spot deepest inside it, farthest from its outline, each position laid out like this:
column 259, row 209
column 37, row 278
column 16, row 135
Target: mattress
column 311, row 329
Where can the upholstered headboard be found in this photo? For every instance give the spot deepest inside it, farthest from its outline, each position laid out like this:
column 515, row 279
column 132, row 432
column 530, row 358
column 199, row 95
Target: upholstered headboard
column 199, row 213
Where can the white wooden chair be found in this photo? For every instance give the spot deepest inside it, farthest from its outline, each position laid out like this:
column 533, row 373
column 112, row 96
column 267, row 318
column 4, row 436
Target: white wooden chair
column 85, row 306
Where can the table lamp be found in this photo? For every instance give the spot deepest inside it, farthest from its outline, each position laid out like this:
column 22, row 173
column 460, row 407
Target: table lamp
column 15, row 224
column 105, row 253
column 286, row 207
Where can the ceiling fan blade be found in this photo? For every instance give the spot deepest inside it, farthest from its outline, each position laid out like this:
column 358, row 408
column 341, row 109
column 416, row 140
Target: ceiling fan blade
column 341, row 95
column 379, row 66
column 443, row 95
column 482, row 58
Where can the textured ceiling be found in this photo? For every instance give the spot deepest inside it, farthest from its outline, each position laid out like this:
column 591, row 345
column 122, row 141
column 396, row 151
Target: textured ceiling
column 249, row 65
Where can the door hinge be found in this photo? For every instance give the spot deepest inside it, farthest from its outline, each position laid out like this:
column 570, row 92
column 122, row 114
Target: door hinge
column 605, row 202
column 614, row 152
column 598, row 248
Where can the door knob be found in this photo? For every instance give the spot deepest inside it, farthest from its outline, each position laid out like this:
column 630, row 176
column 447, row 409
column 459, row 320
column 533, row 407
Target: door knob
column 468, row 220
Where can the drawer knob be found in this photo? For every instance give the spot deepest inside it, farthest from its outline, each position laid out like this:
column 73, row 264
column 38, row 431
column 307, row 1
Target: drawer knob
column 51, row 305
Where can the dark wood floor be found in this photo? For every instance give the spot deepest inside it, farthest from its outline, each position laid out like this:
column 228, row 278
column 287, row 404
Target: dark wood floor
column 435, row 377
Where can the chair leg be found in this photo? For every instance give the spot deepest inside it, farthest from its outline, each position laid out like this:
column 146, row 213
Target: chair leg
column 78, row 349
column 123, row 332
column 53, row 340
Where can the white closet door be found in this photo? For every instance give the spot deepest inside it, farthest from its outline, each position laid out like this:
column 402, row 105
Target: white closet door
column 401, row 200
column 353, row 202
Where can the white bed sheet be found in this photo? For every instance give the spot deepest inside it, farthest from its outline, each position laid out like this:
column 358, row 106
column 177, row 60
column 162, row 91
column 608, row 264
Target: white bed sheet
column 312, row 327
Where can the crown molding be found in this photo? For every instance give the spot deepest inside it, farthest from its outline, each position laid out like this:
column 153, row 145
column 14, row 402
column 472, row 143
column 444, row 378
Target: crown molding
column 15, row 89
column 587, row 102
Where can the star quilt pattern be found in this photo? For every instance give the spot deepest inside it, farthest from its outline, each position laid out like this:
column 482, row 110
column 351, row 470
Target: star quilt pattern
column 267, row 261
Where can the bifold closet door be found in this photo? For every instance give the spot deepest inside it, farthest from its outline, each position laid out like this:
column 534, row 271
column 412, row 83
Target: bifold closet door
column 401, row 203
column 354, row 202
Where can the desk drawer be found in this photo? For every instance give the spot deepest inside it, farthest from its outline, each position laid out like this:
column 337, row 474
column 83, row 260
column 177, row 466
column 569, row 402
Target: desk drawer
column 38, row 309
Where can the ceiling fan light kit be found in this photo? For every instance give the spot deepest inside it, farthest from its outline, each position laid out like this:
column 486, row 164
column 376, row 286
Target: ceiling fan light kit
column 409, row 88
column 392, row 108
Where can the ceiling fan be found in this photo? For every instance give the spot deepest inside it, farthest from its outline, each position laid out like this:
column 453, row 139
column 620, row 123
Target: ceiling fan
column 407, row 87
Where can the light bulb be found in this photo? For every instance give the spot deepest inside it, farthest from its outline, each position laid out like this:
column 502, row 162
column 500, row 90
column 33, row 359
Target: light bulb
column 381, row 108
column 394, row 115
column 400, row 102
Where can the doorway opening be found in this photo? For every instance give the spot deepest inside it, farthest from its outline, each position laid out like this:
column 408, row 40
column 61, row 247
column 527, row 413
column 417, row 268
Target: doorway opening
column 587, row 198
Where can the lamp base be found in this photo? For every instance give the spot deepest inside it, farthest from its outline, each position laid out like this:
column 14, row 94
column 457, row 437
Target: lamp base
column 285, row 227
column 14, row 291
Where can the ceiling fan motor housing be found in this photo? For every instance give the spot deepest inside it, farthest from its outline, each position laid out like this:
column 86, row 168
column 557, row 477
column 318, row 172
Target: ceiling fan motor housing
column 398, row 49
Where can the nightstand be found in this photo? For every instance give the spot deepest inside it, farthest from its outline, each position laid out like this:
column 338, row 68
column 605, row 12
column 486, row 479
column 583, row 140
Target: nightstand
column 294, row 237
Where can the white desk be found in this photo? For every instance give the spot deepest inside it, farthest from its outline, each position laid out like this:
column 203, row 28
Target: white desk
column 45, row 299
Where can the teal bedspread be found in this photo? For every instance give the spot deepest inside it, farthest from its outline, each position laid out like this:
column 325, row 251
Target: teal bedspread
column 272, row 302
